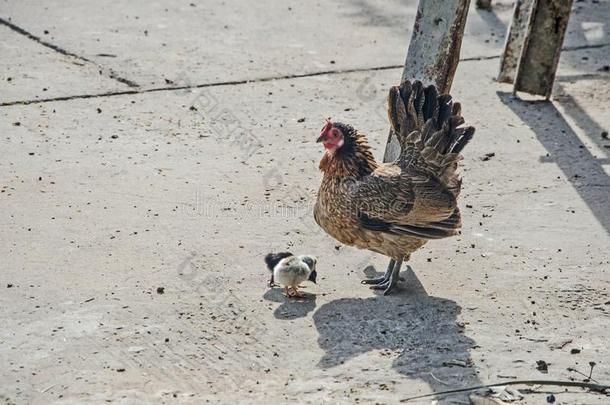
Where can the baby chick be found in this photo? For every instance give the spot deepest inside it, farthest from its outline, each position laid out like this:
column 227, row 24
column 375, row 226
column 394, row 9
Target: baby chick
column 290, row 271
column 272, row 259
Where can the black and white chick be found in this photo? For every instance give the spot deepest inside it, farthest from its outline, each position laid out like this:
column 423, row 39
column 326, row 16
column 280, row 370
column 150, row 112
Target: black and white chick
column 290, row 271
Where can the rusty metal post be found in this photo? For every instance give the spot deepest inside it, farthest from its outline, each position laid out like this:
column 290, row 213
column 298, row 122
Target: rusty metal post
column 434, row 51
column 514, row 41
column 542, row 47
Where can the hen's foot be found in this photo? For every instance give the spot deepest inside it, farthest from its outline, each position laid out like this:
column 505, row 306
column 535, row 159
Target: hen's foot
column 377, row 280
column 390, row 283
column 387, row 287
column 382, row 279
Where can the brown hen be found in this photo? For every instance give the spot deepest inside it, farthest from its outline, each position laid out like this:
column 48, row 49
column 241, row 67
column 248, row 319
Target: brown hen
column 395, row 208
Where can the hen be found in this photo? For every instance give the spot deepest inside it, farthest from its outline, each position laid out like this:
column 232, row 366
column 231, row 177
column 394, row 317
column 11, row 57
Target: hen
column 395, row 208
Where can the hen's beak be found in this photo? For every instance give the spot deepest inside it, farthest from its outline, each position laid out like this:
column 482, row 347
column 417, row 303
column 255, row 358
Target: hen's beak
column 321, row 138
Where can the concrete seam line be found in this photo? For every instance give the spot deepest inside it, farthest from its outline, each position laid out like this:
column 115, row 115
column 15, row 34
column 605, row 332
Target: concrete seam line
column 197, row 86
column 42, row 42
column 65, row 52
column 259, row 80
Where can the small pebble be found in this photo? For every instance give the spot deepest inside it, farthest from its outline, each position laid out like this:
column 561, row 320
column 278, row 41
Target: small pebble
column 542, row 366
column 487, row 156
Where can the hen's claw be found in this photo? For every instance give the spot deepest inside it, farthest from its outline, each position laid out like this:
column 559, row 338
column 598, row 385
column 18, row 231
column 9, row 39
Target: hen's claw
column 382, row 279
column 380, row 286
column 377, row 280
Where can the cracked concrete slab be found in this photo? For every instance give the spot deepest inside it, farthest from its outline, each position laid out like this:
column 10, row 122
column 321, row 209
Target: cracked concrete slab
column 197, row 47
column 31, row 71
column 168, row 198
column 224, row 41
column 134, row 228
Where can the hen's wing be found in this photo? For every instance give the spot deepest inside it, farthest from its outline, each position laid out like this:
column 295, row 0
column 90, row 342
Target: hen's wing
column 406, row 202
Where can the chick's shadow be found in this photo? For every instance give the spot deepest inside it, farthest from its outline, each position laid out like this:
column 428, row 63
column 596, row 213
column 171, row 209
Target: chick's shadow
column 423, row 328
column 290, row 308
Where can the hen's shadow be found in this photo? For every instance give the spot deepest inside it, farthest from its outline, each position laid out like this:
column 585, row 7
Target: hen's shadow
column 291, row 308
column 423, row 328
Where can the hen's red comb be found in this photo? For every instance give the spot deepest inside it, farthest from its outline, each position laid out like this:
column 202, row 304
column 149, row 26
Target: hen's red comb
column 327, row 126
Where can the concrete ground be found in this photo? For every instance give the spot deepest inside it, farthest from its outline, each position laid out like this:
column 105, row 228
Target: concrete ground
column 153, row 152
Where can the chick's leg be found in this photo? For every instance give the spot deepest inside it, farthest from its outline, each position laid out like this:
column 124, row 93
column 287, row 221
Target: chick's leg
column 296, row 292
column 389, row 285
column 382, row 279
column 272, row 282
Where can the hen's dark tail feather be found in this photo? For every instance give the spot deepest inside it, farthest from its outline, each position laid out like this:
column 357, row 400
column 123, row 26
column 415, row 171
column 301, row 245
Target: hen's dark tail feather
column 272, row 259
column 427, row 126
